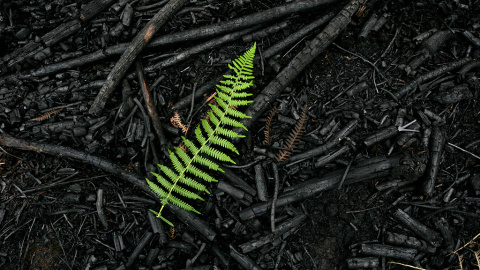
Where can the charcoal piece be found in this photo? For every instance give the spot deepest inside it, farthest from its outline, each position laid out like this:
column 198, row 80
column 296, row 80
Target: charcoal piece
column 183, row 246
column 458, row 93
column 442, row 225
column 281, row 228
column 100, row 210
column 367, row 27
column 233, row 191
column 140, row 246
column 79, row 131
column 243, row 260
column 15, row 116
column 72, row 198
column 361, row 263
column 408, row 241
column 380, row 136
column 261, row 183
column 352, row 92
column 117, row 30
column 151, row 256
column 380, row 250
column 476, row 184
column 126, row 16
column 118, row 241
column 22, row 34
column 322, row 161
column 436, row 151
column 433, row 238
column 380, row 22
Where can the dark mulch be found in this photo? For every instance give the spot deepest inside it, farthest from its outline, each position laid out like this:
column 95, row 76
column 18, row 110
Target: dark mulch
column 359, row 191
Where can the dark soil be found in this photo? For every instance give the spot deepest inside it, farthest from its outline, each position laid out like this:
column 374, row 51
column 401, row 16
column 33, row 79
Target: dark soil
column 50, row 217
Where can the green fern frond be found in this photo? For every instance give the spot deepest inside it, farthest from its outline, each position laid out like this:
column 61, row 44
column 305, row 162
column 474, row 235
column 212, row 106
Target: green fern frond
column 183, row 181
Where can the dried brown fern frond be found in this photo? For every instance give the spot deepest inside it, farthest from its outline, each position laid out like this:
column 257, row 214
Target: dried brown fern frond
column 47, row 115
column 294, row 137
column 268, row 125
column 177, row 122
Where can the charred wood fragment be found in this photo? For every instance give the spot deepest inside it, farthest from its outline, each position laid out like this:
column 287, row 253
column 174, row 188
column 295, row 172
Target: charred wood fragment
column 411, row 87
column 436, row 151
column 380, row 136
column 243, row 260
column 408, row 241
column 238, row 182
column 433, row 238
column 429, row 48
column 361, row 263
column 139, row 248
column 257, row 35
column 380, row 250
column 282, row 44
column 261, row 183
column 281, row 229
column 151, row 108
column 100, row 212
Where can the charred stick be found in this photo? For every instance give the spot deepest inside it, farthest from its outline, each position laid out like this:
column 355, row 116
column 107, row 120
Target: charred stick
column 475, row 40
column 437, row 143
column 281, row 45
column 104, row 164
column 243, row 260
column 352, row 92
column 257, row 35
column 135, row 47
column 370, row 169
column 380, row 136
column 380, row 250
column 324, row 160
column 238, row 181
column 261, row 183
column 361, row 263
column 99, row 204
column 430, row 75
column 408, row 241
column 429, row 48
column 275, row 196
column 367, row 27
column 433, row 238
column 442, row 225
column 152, row 109
column 300, row 62
column 157, row 228
column 231, row 190
column 283, row 228
column 136, row 252
column 216, row 42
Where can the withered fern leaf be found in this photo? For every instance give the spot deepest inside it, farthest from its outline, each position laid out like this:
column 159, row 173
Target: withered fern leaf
column 182, row 181
column 294, row 138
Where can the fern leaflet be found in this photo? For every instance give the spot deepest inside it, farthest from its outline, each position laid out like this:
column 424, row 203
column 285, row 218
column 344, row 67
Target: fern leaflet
column 214, row 132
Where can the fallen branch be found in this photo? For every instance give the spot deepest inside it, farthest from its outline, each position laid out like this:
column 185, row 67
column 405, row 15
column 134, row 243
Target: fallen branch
column 135, row 47
column 300, row 62
column 189, row 218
